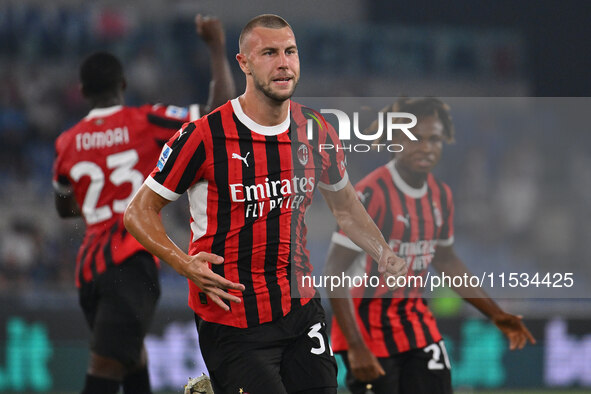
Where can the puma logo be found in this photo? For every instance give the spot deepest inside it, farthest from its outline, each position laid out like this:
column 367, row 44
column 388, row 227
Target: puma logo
column 403, row 219
column 237, row 156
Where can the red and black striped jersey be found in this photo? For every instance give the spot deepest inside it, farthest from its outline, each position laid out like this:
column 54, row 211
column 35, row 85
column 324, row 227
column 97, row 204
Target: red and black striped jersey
column 414, row 222
column 103, row 160
column 249, row 187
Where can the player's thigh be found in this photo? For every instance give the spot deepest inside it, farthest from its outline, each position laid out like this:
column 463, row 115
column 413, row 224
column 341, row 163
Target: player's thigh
column 426, row 371
column 387, row 384
column 308, row 363
column 88, row 298
column 254, row 372
column 126, row 306
column 235, row 362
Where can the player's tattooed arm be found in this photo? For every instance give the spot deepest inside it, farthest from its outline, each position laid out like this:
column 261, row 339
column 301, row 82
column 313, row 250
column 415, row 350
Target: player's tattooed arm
column 356, row 223
column 142, row 220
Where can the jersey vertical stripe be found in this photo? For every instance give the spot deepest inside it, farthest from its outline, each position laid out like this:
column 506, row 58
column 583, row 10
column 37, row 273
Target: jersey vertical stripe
column 176, row 147
column 447, row 229
column 426, row 233
column 447, row 210
column 428, row 206
column 316, row 165
column 417, row 232
column 294, row 222
column 375, row 199
column 257, row 168
column 435, row 193
column 220, row 154
column 372, row 202
column 386, row 224
column 246, row 267
column 191, row 169
column 272, row 233
column 237, row 259
column 427, row 320
column 385, row 324
column 290, row 296
column 377, row 330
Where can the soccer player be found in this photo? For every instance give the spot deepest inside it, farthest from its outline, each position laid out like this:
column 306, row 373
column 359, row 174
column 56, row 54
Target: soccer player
column 390, row 339
column 250, row 173
column 100, row 164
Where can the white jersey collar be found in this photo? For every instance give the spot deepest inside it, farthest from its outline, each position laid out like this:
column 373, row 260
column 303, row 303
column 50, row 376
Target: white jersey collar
column 402, row 185
column 254, row 126
column 102, row 112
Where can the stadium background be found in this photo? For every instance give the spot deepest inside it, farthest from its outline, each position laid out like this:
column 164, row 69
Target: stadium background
column 353, row 48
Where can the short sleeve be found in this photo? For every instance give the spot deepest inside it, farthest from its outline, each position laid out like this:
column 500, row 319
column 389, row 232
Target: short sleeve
column 334, row 172
column 372, row 202
column 180, row 164
column 60, row 180
column 446, row 235
column 173, row 113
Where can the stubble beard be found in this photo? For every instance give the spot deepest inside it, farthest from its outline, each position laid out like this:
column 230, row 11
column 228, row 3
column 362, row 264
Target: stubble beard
column 268, row 92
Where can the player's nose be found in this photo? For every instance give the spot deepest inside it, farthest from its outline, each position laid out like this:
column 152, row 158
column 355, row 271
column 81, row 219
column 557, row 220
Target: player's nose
column 425, row 145
column 283, row 63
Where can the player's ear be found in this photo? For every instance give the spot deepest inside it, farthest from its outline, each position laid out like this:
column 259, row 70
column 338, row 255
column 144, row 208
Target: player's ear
column 123, row 84
column 242, row 60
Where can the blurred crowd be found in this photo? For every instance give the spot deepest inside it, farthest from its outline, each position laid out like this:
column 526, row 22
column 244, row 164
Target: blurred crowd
column 521, row 183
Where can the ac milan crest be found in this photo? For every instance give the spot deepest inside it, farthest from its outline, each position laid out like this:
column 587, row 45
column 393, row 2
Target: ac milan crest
column 303, row 154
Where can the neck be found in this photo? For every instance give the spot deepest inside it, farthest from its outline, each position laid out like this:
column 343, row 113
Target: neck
column 413, row 179
column 107, row 101
column 262, row 109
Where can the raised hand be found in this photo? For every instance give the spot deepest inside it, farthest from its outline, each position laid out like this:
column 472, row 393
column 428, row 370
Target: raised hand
column 210, row 29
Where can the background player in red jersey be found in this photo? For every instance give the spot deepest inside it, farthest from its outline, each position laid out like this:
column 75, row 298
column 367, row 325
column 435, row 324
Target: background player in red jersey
column 100, row 164
column 392, row 340
column 250, row 173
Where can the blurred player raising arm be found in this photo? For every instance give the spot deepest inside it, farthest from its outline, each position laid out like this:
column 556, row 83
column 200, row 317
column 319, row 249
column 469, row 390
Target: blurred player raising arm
column 221, row 87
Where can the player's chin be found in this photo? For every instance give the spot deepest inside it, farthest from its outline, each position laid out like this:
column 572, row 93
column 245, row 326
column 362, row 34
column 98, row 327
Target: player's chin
column 282, row 95
column 423, row 165
column 284, row 90
column 423, row 168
